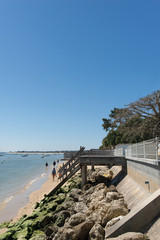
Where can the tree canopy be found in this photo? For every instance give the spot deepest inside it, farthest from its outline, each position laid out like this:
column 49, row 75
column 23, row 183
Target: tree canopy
column 135, row 122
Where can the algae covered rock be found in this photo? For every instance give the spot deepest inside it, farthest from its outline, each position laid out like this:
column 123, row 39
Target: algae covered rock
column 60, row 198
column 6, row 236
column 26, row 224
column 38, row 235
column 62, row 217
column 51, row 206
column 42, row 221
column 22, row 234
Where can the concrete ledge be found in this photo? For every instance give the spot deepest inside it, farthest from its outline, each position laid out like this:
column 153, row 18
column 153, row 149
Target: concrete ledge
column 144, row 160
column 138, row 218
column 102, row 160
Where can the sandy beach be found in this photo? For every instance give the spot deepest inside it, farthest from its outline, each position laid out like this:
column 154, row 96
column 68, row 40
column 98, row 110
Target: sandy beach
column 34, row 197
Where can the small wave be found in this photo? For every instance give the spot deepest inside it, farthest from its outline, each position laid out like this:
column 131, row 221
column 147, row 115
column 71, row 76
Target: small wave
column 34, row 180
column 43, row 175
column 8, row 199
column 31, row 182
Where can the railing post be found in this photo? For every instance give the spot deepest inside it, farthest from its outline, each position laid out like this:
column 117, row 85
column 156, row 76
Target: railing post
column 144, row 150
column 156, row 148
column 136, row 150
column 84, row 174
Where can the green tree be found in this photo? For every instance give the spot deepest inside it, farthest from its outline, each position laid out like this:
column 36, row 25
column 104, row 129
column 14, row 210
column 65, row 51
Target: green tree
column 136, row 122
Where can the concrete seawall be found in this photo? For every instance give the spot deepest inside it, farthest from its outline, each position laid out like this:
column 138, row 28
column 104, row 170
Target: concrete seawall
column 145, row 173
column 144, row 206
column 132, row 191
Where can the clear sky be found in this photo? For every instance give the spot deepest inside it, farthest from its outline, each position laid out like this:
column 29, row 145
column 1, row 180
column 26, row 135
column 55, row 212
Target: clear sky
column 65, row 64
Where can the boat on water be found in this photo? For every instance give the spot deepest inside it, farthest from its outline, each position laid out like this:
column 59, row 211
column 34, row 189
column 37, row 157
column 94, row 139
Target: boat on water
column 45, row 155
column 25, row 155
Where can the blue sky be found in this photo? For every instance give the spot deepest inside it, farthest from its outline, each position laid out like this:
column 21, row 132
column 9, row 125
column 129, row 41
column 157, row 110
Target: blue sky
column 64, row 65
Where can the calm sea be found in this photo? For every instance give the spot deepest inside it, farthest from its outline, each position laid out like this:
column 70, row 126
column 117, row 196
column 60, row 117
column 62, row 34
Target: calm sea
column 18, row 171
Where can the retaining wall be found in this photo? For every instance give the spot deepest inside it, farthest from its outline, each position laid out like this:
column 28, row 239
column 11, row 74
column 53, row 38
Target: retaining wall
column 145, row 172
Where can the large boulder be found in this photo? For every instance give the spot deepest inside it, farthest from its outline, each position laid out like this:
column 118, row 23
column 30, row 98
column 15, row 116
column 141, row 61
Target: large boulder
column 111, row 195
column 77, row 219
column 117, row 208
column 51, row 230
column 97, row 195
column 74, row 194
column 62, row 217
column 65, row 234
column 82, row 230
column 97, row 232
column 80, row 207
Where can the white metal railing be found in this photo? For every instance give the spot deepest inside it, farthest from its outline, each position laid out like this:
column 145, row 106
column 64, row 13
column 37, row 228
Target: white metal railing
column 120, row 149
column 149, row 149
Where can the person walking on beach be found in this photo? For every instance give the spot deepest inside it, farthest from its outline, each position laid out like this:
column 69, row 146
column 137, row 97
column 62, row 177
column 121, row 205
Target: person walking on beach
column 46, row 165
column 53, row 173
column 54, row 163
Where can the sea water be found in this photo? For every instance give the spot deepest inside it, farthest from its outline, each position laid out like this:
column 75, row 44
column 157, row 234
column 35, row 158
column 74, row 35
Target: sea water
column 18, row 171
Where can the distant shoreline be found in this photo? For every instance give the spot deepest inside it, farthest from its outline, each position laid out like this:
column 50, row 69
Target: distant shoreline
column 36, row 152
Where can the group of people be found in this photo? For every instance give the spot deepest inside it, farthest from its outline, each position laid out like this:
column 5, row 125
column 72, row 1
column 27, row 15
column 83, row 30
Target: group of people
column 53, row 170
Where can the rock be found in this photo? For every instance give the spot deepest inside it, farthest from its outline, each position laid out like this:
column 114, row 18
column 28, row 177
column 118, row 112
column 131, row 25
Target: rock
column 96, row 196
column 38, row 235
column 27, row 223
column 6, row 236
column 129, row 236
column 82, row 230
column 112, row 188
column 60, row 198
column 102, row 179
column 113, row 221
column 51, row 206
column 51, row 229
column 74, row 194
column 113, row 196
column 39, row 222
column 97, row 210
column 65, row 234
column 116, row 209
column 77, row 219
column 80, row 207
column 86, row 187
column 60, row 208
column 22, row 234
column 62, row 217
column 100, row 186
column 89, row 191
column 97, row 232
column 68, row 203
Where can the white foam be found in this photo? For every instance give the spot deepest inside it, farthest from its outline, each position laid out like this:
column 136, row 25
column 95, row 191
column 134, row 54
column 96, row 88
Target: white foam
column 8, row 199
